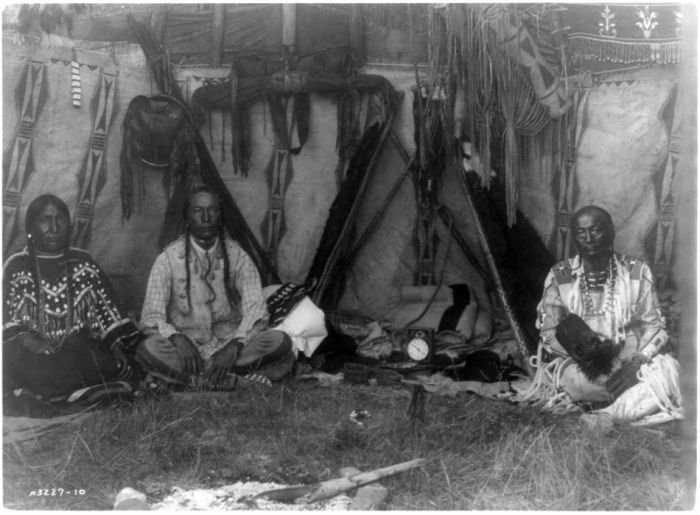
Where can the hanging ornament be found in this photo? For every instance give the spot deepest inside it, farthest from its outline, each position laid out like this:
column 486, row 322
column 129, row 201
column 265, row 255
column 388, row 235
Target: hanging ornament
column 76, row 91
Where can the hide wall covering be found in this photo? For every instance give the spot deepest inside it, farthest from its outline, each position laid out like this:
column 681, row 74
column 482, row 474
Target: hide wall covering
column 626, row 160
column 627, row 125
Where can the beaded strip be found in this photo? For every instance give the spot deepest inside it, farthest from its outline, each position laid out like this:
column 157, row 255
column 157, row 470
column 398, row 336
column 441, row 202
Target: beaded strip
column 42, row 302
column 608, row 288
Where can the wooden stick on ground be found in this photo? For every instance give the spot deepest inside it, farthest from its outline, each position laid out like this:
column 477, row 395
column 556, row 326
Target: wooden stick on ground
column 333, row 487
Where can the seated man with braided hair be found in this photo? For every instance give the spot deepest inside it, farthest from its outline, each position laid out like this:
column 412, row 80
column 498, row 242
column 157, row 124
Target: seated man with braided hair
column 204, row 308
column 64, row 337
column 601, row 329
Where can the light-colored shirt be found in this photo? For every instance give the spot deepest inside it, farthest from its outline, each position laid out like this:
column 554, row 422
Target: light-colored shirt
column 210, row 319
column 628, row 315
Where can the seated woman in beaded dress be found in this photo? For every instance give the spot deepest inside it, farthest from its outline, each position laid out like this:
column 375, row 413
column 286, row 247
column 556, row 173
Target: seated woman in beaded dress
column 62, row 329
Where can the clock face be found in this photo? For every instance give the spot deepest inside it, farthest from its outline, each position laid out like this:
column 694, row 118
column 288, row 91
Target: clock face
column 418, row 349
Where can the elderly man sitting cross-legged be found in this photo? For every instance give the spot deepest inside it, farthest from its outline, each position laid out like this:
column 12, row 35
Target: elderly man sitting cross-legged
column 204, row 309
column 602, row 335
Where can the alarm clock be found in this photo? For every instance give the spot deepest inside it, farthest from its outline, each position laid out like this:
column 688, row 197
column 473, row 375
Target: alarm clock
column 418, row 345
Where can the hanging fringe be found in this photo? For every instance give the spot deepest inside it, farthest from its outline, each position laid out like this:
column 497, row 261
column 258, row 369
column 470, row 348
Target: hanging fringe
column 512, row 174
column 523, row 115
column 223, row 138
column 615, row 51
column 480, row 87
column 545, row 390
column 240, row 155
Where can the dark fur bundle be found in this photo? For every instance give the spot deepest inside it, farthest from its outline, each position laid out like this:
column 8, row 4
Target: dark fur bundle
column 599, row 360
column 593, row 355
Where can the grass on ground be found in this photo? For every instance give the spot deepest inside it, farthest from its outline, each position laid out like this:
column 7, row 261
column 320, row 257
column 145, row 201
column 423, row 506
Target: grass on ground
column 482, row 454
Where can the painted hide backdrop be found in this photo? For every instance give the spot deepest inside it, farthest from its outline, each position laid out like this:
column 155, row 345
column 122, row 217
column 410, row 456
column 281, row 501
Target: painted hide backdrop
column 625, row 129
column 627, row 144
column 74, row 153
column 69, row 158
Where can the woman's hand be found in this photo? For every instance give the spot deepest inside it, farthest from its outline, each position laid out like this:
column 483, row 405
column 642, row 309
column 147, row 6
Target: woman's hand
column 32, row 341
column 123, row 364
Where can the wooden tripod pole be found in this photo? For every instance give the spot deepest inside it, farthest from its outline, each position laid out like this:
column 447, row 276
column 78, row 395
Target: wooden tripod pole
column 493, row 268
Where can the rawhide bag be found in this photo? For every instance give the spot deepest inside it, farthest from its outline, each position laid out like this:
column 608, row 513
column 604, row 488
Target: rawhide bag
column 153, row 124
column 157, row 132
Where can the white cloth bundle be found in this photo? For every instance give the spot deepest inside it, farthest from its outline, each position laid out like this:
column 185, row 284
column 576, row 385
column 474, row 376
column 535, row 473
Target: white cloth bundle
column 305, row 324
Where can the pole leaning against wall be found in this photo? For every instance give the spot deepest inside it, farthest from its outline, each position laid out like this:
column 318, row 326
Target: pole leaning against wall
column 496, row 275
column 236, row 224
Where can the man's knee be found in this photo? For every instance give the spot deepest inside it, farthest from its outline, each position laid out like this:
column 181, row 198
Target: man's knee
column 271, row 341
column 158, row 354
column 267, row 347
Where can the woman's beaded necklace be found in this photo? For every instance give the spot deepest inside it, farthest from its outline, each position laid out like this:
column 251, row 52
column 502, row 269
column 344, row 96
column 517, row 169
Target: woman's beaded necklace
column 42, row 304
column 601, row 280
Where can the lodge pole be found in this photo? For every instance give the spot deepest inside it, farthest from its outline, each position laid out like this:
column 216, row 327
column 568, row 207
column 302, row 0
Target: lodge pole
column 357, row 32
column 289, row 27
column 156, row 58
column 341, row 240
column 159, row 18
column 218, row 14
column 443, row 211
column 495, row 273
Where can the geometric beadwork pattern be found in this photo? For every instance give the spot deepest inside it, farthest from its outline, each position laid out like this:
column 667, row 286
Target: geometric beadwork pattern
column 278, row 176
column 426, row 243
column 667, row 204
column 18, row 160
column 92, row 177
column 567, row 178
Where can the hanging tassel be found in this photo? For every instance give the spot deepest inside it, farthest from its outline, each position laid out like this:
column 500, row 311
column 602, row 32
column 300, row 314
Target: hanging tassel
column 210, row 127
column 460, row 112
column 76, row 91
column 223, row 137
column 512, row 174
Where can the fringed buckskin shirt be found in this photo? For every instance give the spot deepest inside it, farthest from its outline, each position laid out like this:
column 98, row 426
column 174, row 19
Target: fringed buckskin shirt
column 75, row 296
column 210, row 320
column 628, row 313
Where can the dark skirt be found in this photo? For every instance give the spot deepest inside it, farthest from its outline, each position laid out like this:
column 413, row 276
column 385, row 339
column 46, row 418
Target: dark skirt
column 82, row 361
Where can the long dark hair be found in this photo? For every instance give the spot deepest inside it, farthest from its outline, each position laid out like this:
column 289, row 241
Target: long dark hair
column 230, row 294
column 40, row 203
column 35, row 208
